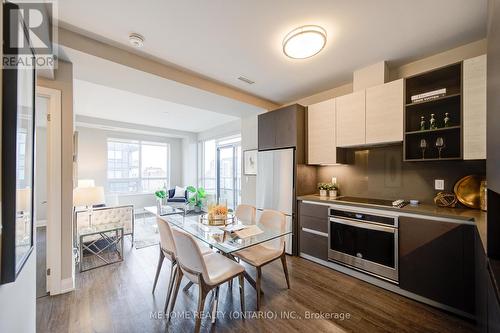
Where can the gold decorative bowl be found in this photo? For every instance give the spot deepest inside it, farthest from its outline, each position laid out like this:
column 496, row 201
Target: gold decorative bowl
column 468, row 191
column 216, row 220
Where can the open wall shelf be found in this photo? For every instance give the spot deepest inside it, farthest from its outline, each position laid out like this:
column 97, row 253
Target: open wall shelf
column 450, row 78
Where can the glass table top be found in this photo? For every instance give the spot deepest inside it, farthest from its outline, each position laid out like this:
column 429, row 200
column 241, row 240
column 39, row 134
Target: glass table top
column 218, row 238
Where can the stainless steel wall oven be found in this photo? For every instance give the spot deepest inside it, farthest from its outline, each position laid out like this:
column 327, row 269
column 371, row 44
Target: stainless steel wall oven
column 364, row 239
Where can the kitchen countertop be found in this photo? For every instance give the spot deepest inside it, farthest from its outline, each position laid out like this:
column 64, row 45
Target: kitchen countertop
column 474, row 216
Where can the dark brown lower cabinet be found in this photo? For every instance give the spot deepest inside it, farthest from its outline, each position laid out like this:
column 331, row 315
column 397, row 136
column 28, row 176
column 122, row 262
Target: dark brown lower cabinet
column 487, row 302
column 436, row 261
column 493, row 307
column 314, row 245
column 313, row 228
column 481, row 281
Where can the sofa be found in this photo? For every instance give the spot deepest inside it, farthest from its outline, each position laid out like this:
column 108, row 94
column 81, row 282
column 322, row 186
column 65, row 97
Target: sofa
column 177, row 202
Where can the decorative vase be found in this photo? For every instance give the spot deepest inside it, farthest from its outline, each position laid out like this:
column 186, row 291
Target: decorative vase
column 332, row 193
column 197, row 209
column 323, row 193
column 447, row 120
column 422, row 123
column 432, row 122
column 483, row 195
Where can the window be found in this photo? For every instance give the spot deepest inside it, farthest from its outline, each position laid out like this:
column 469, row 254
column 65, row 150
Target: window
column 220, row 169
column 208, row 167
column 137, row 166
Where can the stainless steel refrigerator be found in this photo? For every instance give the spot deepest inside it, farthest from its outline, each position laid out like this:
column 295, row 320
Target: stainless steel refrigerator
column 275, row 185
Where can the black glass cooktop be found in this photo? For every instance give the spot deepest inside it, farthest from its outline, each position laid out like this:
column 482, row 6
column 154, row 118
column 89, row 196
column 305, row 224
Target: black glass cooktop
column 370, row 201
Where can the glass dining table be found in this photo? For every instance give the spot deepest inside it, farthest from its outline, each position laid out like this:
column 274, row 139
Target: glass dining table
column 215, row 237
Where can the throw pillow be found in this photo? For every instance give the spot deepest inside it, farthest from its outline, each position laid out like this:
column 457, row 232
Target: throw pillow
column 180, row 192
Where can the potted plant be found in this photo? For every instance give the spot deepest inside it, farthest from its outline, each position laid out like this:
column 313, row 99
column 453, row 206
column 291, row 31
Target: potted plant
column 323, row 188
column 196, row 197
column 160, row 195
column 332, row 190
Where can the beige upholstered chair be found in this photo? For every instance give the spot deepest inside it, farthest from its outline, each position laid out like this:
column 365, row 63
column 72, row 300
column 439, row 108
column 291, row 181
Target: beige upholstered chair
column 167, row 249
column 245, row 213
column 123, row 215
column 207, row 271
column 262, row 254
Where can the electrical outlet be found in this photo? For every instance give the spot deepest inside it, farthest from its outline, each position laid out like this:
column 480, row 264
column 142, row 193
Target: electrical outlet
column 439, row 184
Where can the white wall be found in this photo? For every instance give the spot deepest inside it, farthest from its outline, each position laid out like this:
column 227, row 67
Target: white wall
column 248, row 142
column 92, row 160
column 18, row 300
column 189, row 162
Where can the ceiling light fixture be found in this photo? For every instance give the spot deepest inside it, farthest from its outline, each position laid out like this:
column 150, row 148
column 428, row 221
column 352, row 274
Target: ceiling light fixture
column 136, row 40
column 304, row 42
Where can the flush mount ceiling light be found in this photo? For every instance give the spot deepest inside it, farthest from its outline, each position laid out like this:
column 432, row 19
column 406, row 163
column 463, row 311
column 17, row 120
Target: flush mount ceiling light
column 136, row 40
column 304, row 42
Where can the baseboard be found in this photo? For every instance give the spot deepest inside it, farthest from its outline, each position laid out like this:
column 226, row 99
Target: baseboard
column 41, row 223
column 67, row 285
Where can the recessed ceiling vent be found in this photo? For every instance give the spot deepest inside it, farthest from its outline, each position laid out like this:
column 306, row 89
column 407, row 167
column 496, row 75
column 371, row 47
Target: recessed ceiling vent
column 246, row 80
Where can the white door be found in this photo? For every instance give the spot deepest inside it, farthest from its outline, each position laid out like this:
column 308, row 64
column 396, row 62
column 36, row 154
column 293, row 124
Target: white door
column 53, row 189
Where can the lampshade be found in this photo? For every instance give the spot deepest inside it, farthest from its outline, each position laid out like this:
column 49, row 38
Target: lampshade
column 86, row 183
column 23, row 199
column 88, row 196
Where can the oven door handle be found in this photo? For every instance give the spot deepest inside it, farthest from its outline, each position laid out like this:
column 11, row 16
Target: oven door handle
column 364, row 225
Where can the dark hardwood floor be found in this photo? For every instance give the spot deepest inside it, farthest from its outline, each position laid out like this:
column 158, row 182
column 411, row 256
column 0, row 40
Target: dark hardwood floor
column 117, row 298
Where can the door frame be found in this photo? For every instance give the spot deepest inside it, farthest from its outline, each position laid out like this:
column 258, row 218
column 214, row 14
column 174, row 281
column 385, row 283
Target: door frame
column 234, row 147
column 54, row 189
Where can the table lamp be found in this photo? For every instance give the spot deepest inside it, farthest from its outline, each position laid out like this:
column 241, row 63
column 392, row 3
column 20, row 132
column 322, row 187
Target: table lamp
column 86, row 183
column 88, row 197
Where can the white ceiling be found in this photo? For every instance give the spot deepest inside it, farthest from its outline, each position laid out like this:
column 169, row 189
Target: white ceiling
column 108, row 90
column 104, row 102
column 223, row 39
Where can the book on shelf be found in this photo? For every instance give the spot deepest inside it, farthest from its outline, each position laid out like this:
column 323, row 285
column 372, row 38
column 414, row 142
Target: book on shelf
column 423, row 99
column 428, row 95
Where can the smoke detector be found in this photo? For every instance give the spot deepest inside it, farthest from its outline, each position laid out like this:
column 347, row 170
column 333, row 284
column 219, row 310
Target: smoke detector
column 136, row 40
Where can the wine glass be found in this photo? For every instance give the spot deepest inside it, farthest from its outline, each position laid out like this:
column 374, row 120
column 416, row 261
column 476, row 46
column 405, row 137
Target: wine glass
column 440, row 145
column 423, row 146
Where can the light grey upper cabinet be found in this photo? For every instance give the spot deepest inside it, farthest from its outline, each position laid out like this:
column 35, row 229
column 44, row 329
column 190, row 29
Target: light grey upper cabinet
column 321, row 141
column 350, row 121
column 474, row 108
column 384, row 113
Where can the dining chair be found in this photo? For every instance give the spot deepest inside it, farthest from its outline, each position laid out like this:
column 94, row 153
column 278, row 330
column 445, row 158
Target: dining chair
column 207, row 271
column 262, row 254
column 167, row 250
column 245, row 213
